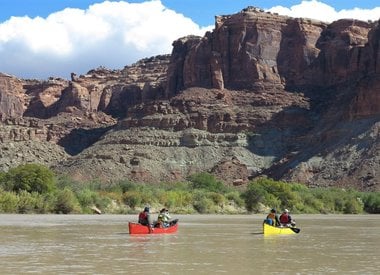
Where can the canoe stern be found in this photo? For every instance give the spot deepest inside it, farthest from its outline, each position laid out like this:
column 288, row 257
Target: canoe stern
column 273, row 230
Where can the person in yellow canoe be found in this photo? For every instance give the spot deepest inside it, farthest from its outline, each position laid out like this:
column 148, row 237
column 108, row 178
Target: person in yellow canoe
column 286, row 219
column 272, row 218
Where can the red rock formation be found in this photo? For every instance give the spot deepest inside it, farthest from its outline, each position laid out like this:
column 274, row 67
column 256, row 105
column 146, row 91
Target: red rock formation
column 342, row 47
column 12, row 97
column 366, row 100
column 290, row 98
column 245, row 49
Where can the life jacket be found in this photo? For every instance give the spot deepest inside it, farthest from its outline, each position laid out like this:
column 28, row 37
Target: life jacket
column 160, row 220
column 143, row 217
column 284, row 218
column 271, row 216
column 161, row 217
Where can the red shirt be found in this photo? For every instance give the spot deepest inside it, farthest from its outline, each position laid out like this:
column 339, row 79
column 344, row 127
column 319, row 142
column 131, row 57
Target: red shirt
column 143, row 217
column 284, row 218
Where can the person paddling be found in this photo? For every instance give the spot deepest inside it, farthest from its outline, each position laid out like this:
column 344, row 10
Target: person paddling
column 286, row 219
column 145, row 219
column 272, row 218
column 163, row 219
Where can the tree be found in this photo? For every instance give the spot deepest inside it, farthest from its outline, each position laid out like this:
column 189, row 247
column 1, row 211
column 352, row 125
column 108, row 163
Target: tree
column 254, row 195
column 206, row 181
column 30, row 178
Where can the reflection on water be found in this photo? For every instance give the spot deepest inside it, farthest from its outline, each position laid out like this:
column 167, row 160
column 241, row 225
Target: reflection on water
column 204, row 244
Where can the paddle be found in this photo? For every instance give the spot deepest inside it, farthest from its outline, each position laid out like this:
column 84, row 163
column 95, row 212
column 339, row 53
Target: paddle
column 295, row 230
column 173, row 222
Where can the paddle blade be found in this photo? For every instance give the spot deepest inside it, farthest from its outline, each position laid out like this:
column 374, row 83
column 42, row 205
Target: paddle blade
column 173, row 222
column 295, row 230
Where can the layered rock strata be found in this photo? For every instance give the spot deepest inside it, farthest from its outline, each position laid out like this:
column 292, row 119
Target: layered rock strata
column 261, row 95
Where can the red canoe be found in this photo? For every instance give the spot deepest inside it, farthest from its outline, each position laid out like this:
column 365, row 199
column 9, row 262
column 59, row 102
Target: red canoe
column 136, row 228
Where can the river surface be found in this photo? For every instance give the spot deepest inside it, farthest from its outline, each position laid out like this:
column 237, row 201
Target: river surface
column 204, row 244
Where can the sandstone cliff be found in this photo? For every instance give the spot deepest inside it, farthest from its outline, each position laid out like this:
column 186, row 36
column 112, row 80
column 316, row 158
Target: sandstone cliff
column 262, row 94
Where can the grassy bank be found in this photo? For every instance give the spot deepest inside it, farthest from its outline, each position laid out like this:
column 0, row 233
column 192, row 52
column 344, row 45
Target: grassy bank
column 34, row 188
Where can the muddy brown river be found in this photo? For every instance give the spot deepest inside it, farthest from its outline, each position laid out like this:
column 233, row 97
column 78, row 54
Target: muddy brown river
column 204, row 244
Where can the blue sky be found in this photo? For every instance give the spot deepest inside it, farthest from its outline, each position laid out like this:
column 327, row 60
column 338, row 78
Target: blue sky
column 201, row 11
column 43, row 38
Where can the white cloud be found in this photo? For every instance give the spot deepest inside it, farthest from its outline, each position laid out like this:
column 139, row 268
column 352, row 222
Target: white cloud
column 110, row 34
column 114, row 34
column 318, row 10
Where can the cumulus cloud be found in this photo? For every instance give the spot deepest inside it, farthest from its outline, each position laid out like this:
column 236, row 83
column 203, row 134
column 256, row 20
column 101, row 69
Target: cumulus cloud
column 110, row 34
column 114, row 34
column 318, row 10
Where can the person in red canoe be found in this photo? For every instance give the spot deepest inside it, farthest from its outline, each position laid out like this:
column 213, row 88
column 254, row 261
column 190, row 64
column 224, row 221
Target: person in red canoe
column 163, row 219
column 144, row 217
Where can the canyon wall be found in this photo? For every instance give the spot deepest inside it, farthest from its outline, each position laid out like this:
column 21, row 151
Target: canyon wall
column 293, row 99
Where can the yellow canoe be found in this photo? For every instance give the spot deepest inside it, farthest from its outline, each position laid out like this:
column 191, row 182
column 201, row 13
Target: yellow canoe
column 273, row 230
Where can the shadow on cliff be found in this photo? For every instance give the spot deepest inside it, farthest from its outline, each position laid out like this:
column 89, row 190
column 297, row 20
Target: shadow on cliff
column 335, row 140
column 329, row 126
column 283, row 134
column 296, row 135
column 79, row 139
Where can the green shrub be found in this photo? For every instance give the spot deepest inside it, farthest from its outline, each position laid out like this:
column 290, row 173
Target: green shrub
column 203, row 205
column 101, row 200
column 206, row 181
column 337, row 200
column 174, row 198
column 334, row 199
column 132, row 199
column 353, row 206
column 29, row 177
column 122, row 186
column 8, row 202
column 47, row 204
column 31, row 189
column 94, row 185
column 147, row 192
column 315, row 204
column 304, row 205
column 32, row 203
column 253, row 196
column 66, row 202
column 25, row 203
column 86, row 197
column 113, row 196
column 217, row 198
column 281, row 193
column 2, row 176
column 299, row 188
column 272, row 201
column 65, row 181
column 271, row 193
column 371, row 202
column 235, row 197
column 338, row 204
column 178, row 186
column 301, row 199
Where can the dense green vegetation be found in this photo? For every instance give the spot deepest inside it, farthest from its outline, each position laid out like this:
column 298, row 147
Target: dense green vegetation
column 301, row 199
column 33, row 188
